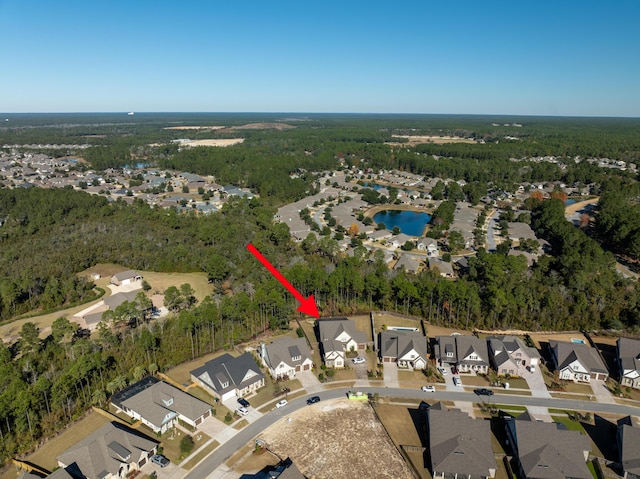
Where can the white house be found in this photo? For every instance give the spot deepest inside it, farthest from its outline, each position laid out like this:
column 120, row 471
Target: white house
column 577, row 362
column 286, row 356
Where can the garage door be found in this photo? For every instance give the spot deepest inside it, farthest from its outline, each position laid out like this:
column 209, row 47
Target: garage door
column 142, row 462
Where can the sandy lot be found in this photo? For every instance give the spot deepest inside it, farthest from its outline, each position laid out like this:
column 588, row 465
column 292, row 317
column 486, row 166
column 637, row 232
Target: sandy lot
column 194, row 128
column 213, row 142
column 263, row 126
column 337, row 439
column 417, row 140
column 574, row 208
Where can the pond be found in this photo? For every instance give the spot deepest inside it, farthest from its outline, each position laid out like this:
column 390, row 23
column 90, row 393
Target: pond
column 410, row 222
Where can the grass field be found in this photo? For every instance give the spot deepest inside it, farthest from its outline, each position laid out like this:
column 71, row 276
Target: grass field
column 46, row 455
column 200, row 455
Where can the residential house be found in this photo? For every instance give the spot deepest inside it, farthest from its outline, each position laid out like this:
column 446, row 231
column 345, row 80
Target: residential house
column 628, row 358
column 410, row 263
column 399, row 240
column 429, row 245
column 546, row 451
column 226, row 376
column 111, row 452
column 459, row 446
column 577, row 361
column 408, row 349
column 336, row 337
column 465, row 353
column 628, row 440
column 125, row 277
column 444, row 268
column 508, row 353
column 160, row 405
column 286, row 356
column 379, row 235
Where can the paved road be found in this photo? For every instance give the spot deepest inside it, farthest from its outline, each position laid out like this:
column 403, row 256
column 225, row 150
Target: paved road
column 492, row 228
column 215, row 459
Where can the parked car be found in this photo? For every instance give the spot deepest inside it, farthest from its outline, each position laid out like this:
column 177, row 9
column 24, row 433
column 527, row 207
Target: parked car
column 160, row 460
column 456, row 381
column 532, row 369
column 442, row 371
column 313, row 400
column 428, row 389
column 282, row 403
column 359, row 360
column 483, row 392
column 244, row 402
column 242, row 411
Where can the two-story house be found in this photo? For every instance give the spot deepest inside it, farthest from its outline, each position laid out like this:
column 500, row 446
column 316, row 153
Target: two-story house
column 465, row 353
column 577, row 361
column 628, row 358
column 408, row 349
column 286, row 356
column 336, row 337
column 628, row 439
column 509, row 353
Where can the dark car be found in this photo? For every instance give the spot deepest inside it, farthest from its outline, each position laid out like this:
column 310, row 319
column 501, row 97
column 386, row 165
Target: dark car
column 243, row 402
column 483, row 392
column 313, row 400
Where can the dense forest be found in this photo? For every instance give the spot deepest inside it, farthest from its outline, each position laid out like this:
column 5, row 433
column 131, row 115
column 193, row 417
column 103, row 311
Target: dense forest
column 48, row 236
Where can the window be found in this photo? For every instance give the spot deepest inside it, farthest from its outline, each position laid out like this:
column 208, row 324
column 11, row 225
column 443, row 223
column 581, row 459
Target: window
column 296, row 358
column 449, row 354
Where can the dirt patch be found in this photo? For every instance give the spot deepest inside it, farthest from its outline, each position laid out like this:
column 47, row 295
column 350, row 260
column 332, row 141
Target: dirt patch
column 438, row 140
column 263, row 126
column 574, row 208
column 213, row 142
column 433, row 331
column 544, row 338
column 337, row 439
column 194, row 128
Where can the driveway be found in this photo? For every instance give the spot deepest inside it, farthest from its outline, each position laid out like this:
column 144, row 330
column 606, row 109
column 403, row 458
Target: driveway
column 535, row 381
column 170, row 472
column 309, row 382
column 390, row 375
column 601, row 392
column 362, row 378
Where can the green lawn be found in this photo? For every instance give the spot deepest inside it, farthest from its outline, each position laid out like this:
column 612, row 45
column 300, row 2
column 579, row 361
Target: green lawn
column 569, row 424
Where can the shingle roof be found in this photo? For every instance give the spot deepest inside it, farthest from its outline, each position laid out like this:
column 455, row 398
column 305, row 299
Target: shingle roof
column 570, row 352
column 97, row 455
column 237, row 373
column 629, row 352
column 159, row 402
column 332, row 328
column 465, row 345
column 629, row 450
column 398, row 344
column 547, row 452
column 458, row 443
column 125, row 275
column 278, row 351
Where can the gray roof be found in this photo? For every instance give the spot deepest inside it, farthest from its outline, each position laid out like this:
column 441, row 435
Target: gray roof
column 397, row 344
column 159, row 402
column 629, row 353
column 332, row 328
column 442, row 266
column 125, row 275
column 629, row 438
column 547, row 452
column 100, row 453
column 499, row 353
column 410, row 263
column 465, row 345
column 285, row 349
column 566, row 353
column 458, row 443
column 117, row 299
column 236, row 373
column 444, row 345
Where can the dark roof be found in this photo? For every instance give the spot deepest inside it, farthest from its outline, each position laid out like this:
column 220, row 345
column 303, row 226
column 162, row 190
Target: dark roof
column 629, row 353
column 397, row 344
column 332, row 328
column 566, row 353
column 279, row 351
column 458, row 443
column 235, row 373
column 629, row 439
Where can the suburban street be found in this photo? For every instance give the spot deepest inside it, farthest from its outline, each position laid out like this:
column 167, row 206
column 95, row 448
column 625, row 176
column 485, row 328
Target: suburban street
column 219, row 455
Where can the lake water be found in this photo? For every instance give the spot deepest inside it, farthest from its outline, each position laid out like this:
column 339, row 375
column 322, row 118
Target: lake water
column 410, row 222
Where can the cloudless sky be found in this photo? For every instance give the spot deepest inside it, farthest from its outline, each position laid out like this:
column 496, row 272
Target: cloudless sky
column 536, row 57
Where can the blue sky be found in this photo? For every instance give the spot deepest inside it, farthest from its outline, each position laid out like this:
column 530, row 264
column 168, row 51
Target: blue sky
column 539, row 57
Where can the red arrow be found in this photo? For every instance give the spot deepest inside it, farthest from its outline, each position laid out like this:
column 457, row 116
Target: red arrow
column 307, row 305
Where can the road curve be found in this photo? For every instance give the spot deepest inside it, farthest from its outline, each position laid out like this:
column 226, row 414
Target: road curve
column 222, row 453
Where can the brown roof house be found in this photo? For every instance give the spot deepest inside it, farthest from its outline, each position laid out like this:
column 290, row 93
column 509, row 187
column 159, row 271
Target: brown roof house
column 628, row 357
column 111, row 452
column 577, row 361
column 459, row 446
column 159, row 405
column 226, row 377
column 629, row 448
column 406, row 348
column 286, row 356
column 338, row 336
column 545, row 451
